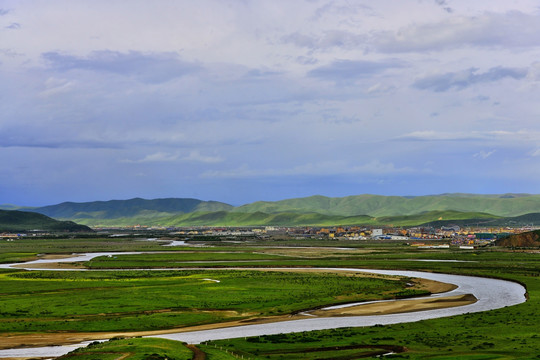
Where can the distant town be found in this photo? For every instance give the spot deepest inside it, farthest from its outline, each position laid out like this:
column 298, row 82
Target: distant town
column 422, row 237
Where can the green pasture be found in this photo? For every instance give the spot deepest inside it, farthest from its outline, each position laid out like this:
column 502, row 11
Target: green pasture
column 34, row 301
column 132, row 349
column 393, row 256
column 178, row 259
column 28, row 246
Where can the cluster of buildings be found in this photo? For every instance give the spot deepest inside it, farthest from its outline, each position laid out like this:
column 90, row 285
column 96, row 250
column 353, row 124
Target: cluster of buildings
column 431, row 237
column 444, row 236
column 415, row 236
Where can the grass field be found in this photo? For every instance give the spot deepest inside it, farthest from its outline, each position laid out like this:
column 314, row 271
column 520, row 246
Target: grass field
column 28, row 246
column 150, row 300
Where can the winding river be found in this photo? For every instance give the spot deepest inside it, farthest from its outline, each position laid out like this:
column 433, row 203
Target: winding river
column 491, row 294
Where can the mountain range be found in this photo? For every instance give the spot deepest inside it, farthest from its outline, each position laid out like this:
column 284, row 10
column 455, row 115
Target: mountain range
column 314, row 210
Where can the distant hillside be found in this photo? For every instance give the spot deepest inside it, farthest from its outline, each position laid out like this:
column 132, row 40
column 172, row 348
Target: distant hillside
column 532, row 219
column 377, row 205
column 528, row 239
column 429, row 218
column 137, row 207
column 15, row 207
column 225, row 218
column 17, row 221
column 437, row 210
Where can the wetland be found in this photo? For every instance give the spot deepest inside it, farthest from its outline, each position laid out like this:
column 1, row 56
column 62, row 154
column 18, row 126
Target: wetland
column 144, row 294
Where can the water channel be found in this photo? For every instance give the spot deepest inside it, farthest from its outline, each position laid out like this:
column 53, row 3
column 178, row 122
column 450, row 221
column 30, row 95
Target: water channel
column 491, row 294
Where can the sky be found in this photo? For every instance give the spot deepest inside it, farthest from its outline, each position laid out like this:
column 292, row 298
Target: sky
column 246, row 100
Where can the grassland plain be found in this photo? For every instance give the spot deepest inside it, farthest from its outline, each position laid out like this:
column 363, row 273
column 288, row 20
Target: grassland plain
column 30, row 247
column 509, row 333
column 40, row 301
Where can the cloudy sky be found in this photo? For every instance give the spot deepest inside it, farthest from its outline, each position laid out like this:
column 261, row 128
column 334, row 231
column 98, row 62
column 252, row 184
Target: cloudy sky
column 244, row 100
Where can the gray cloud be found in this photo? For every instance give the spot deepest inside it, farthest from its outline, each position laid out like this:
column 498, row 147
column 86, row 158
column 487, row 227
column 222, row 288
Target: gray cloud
column 444, row 5
column 4, row 12
column 268, row 90
column 510, row 30
column 431, row 135
column 148, row 68
column 519, row 137
column 13, row 26
column 501, row 30
column 329, row 39
column 466, row 78
column 348, row 9
column 345, row 70
column 35, row 142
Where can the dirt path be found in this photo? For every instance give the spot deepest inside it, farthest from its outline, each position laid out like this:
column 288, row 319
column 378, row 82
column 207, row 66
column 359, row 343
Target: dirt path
column 125, row 356
column 198, row 354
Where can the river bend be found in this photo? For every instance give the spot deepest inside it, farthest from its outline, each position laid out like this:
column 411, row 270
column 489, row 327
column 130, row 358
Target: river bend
column 491, row 294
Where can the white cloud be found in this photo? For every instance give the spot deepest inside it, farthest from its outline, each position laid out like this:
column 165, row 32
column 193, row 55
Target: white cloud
column 54, row 86
column 196, row 156
column 192, row 156
column 492, row 135
column 155, row 157
column 512, row 29
column 380, row 89
column 534, row 72
column 484, row 154
column 432, row 135
column 347, row 70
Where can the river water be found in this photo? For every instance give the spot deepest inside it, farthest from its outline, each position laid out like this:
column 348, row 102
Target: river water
column 491, row 294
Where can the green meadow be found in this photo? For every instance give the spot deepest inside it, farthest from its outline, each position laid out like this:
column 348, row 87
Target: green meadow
column 38, row 301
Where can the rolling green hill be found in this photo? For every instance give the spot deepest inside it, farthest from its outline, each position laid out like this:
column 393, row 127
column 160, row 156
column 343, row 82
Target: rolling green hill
column 461, row 209
column 129, row 208
column 532, row 219
column 18, row 221
column 377, row 205
column 227, row 218
column 15, row 207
